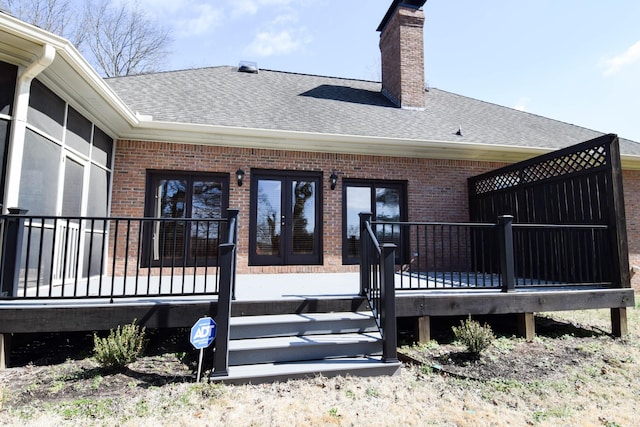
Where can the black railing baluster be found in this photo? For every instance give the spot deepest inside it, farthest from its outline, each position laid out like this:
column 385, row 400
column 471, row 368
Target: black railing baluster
column 39, row 260
column 126, row 261
column 27, row 260
column 206, row 256
column 103, row 249
column 185, row 249
column 77, row 259
column 65, row 251
column 149, row 254
column 115, row 258
column 90, row 260
column 139, row 256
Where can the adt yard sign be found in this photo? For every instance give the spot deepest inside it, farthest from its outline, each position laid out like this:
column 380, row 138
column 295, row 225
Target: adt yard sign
column 203, row 333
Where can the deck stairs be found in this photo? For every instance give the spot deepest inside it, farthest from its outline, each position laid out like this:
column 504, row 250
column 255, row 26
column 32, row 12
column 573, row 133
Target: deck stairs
column 287, row 346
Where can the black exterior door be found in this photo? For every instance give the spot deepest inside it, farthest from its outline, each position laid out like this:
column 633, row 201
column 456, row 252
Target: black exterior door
column 286, row 219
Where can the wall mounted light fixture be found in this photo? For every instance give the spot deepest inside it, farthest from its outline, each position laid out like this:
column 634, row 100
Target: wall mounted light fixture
column 333, row 180
column 239, row 177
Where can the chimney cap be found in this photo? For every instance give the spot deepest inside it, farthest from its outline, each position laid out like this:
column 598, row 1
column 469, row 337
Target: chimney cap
column 416, row 4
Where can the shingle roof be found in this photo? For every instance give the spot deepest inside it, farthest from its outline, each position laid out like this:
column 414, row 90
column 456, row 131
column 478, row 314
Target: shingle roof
column 307, row 103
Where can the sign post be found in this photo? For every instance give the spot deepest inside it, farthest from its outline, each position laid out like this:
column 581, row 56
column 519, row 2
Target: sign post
column 203, row 332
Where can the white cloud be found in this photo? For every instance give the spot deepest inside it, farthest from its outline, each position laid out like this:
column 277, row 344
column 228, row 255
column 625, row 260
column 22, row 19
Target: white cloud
column 522, row 103
column 269, row 43
column 251, row 7
column 185, row 17
column 202, row 19
column 616, row 63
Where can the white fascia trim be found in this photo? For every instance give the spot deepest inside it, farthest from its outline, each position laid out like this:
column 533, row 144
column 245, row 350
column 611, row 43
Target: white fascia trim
column 630, row 162
column 226, row 136
column 325, row 143
column 97, row 83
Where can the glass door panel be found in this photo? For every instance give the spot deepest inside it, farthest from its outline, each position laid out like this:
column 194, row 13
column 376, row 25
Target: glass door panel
column 387, row 208
column 168, row 236
column 358, row 200
column 206, row 202
column 303, row 217
column 269, row 218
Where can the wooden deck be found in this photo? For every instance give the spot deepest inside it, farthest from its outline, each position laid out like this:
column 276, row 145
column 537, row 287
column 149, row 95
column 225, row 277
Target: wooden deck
column 295, row 293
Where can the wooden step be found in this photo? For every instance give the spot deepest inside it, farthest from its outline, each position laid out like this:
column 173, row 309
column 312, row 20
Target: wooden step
column 301, row 324
column 306, row 347
column 272, row 372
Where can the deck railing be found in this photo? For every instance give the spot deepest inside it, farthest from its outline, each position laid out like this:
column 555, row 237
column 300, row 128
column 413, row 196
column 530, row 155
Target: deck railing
column 377, row 284
column 111, row 257
column 503, row 256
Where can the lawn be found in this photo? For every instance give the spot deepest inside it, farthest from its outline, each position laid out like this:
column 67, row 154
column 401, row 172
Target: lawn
column 572, row 374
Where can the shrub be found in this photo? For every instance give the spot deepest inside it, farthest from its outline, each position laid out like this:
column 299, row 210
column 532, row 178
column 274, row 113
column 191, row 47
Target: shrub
column 120, row 347
column 473, row 335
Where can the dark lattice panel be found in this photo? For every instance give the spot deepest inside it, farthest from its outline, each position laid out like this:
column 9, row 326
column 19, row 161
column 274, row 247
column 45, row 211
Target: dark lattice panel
column 566, row 165
column 588, row 157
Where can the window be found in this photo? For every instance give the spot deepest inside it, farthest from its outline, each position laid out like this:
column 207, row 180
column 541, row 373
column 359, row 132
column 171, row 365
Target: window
column 174, row 197
column 384, row 199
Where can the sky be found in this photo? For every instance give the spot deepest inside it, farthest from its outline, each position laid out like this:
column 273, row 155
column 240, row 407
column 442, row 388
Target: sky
column 577, row 61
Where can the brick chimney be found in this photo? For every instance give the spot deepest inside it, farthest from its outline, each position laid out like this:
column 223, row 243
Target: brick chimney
column 402, row 49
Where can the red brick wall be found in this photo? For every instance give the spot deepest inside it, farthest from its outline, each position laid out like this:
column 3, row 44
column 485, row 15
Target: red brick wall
column 437, row 189
column 631, row 184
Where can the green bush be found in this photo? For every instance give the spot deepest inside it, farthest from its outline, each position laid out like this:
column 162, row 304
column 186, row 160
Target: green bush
column 474, row 336
column 120, row 347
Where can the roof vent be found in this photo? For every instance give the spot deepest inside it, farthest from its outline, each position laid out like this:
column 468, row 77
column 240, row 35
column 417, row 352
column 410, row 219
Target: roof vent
column 248, row 67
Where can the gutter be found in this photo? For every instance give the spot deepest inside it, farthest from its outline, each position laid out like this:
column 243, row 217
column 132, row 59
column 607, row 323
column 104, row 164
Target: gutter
column 236, row 137
column 19, row 124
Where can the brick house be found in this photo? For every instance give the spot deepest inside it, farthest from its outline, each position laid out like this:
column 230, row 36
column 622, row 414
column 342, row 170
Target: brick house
column 298, row 155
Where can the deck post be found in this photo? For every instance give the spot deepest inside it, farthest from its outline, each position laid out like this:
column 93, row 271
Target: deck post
column 619, row 321
column 221, row 355
column 388, row 304
column 365, row 258
column 232, row 233
column 527, row 325
column 11, row 251
column 507, row 263
column 423, row 329
column 5, row 350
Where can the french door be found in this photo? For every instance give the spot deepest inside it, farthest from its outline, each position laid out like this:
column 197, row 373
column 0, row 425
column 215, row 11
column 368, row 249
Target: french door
column 286, row 219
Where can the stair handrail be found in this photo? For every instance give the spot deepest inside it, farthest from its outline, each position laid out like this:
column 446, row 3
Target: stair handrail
column 377, row 275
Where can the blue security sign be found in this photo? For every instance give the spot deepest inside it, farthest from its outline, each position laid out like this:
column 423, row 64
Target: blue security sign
column 203, row 333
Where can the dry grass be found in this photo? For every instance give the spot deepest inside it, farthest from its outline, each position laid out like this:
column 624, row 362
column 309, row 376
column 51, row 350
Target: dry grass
column 592, row 381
